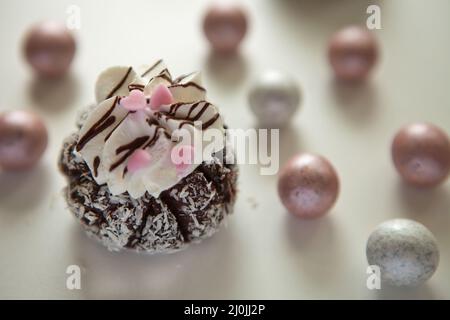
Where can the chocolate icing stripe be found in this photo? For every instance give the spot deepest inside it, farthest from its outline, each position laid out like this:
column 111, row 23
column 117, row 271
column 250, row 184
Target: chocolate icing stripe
column 205, row 125
column 185, row 122
column 152, row 140
column 174, row 107
column 151, row 68
column 147, row 145
column 165, row 77
column 152, row 122
column 200, row 113
column 166, row 72
column 136, row 143
column 159, row 115
column 188, row 84
column 210, row 122
column 96, row 164
column 129, row 148
column 184, row 76
column 120, row 122
column 168, row 116
column 192, row 108
column 104, row 122
column 135, row 86
column 121, row 82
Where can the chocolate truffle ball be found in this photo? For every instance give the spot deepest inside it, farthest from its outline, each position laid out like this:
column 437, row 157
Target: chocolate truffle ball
column 49, row 49
column 274, row 98
column 421, row 154
column 308, row 185
column 405, row 251
column 23, row 139
column 352, row 53
column 225, row 25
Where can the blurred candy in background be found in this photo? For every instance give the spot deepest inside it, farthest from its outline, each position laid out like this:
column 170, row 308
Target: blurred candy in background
column 49, row 48
column 225, row 26
column 274, row 98
column 353, row 52
column 421, row 154
column 23, row 139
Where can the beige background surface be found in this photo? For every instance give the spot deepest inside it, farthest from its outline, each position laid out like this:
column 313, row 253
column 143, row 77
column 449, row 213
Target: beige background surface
column 264, row 252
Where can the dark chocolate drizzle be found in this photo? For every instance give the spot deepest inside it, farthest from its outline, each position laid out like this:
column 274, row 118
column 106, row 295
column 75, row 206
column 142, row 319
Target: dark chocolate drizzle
column 174, row 107
column 151, row 68
column 96, row 164
column 199, row 114
column 109, row 134
column 104, row 122
column 210, row 122
column 192, row 108
column 136, row 86
column 163, row 76
column 166, row 72
column 129, row 148
column 188, row 84
column 189, row 120
column 182, row 123
column 152, row 140
column 121, row 82
column 183, row 76
column 152, row 122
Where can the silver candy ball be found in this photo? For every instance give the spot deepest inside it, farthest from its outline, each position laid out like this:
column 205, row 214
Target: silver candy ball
column 274, row 98
column 405, row 251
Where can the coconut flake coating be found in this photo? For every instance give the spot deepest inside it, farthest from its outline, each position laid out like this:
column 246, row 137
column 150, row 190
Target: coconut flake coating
column 188, row 212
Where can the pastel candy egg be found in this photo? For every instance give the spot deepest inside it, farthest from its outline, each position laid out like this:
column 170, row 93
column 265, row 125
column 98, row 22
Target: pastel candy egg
column 405, row 251
column 274, row 98
column 23, row 140
column 49, row 48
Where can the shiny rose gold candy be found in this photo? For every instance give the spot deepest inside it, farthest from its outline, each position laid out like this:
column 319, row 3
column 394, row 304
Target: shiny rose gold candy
column 308, row 185
column 352, row 52
column 225, row 26
column 49, row 48
column 23, row 139
column 421, row 154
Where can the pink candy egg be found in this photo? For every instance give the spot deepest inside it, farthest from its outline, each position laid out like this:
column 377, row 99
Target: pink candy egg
column 225, row 26
column 421, row 154
column 23, row 140
column 353, row 52
column 308, row 185
column 49, row 48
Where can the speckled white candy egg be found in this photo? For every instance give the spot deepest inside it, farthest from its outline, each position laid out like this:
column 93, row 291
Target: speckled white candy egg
column 274, row 98
column 405, row 250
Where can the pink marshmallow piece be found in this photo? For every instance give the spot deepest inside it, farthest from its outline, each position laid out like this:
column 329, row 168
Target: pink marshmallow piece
column 160, row 96
column 138, row 160
column 186, row 155
column 134, row 101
